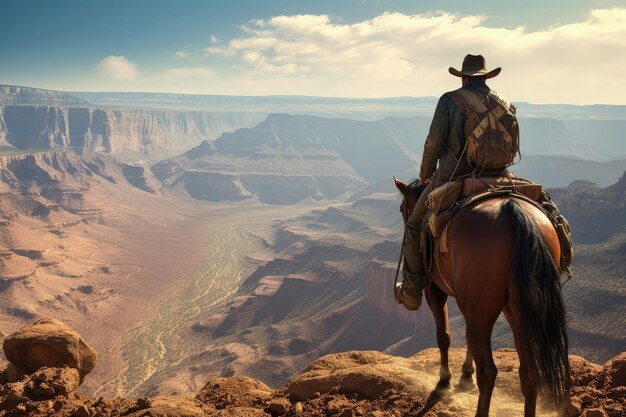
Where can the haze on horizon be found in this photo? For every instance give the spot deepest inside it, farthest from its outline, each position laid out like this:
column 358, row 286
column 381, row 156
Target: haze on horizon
column 561, row 52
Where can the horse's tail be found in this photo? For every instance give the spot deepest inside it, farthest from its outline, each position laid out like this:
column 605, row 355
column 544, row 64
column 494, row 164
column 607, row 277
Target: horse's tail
column 541, row 308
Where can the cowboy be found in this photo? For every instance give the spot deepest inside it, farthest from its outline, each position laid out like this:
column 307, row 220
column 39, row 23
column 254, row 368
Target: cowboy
column 442, row 161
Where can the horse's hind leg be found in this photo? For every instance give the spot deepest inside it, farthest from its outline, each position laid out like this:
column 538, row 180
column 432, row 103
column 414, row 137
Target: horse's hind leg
column 479, row 343
column 467, row 378
column 437, row 301
column 529, row 380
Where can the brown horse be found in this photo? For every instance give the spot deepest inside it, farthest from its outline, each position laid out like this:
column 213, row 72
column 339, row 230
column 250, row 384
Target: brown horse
column 502, row 257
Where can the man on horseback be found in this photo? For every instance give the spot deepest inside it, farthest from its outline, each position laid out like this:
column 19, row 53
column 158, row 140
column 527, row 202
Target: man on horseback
column 498, row 243
column 443, row 160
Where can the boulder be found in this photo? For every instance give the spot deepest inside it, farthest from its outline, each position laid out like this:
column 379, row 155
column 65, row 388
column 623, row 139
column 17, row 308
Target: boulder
column 367, row 373
column 13, row 373
column 279, row 406
column 237, row 391
column 582, row 371
column 614, row 374
column 238, row 412
column 49, row 343
column 167, row 406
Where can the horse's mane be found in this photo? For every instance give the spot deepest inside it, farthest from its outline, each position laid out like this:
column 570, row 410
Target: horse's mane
column 414, row 188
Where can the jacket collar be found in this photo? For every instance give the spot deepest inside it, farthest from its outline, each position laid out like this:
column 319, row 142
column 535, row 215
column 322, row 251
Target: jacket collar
column 476, row 84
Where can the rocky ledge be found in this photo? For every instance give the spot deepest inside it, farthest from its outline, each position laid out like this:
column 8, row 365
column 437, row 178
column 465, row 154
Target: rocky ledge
column 348, row 384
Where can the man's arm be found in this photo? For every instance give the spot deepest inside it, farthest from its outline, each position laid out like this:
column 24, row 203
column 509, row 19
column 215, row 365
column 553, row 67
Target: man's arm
column 438, row 134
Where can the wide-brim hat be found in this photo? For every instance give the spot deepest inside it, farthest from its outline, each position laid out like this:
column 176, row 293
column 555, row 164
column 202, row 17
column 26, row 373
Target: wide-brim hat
column 474, row 66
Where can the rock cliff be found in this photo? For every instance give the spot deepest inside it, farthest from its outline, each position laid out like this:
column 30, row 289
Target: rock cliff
column 597, row 212
column 63, row 177
column 288, row 158
column 127, row 133
column 379, row 292
column 586, row 198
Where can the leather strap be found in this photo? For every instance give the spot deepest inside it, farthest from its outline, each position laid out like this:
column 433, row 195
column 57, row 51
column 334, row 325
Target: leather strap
column 467, row 100
column 493, row 193
column 470, row 100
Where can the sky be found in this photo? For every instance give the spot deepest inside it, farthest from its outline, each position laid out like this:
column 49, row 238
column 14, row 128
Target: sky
column 558, row 51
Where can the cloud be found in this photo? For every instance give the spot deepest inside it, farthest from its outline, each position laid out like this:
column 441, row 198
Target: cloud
column 399, row 54
column 118, row 68
column 215, row 39
column 189, row 72
column 181, row 54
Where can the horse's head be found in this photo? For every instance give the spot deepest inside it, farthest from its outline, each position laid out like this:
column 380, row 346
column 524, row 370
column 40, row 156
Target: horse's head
column 411, row 192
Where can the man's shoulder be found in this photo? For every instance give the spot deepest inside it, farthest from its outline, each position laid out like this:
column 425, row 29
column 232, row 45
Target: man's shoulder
column 456, row 98
column 464, row 96
column 467, row 92
column 446, row 99
column 449, row 94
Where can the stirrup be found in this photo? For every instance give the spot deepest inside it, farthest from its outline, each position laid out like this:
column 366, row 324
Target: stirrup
column 397, row 293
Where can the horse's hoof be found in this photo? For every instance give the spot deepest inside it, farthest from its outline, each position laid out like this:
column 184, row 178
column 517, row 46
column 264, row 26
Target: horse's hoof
column 443, row 390
column 466, row 383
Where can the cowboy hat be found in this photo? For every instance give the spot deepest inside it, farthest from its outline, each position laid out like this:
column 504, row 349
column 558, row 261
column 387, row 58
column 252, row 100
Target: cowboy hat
column 474, row 66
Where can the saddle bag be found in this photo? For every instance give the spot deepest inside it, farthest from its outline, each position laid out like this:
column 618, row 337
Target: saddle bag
column 437, row 222
column 444, row 196
column 473, row 186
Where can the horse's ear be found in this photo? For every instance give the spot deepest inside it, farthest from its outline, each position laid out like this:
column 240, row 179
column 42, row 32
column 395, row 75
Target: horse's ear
column 399, row 185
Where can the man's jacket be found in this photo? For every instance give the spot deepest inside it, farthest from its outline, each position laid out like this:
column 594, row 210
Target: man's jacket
column 446, row 138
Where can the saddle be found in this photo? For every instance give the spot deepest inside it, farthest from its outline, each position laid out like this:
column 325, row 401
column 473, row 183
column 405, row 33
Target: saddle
column 444, row 201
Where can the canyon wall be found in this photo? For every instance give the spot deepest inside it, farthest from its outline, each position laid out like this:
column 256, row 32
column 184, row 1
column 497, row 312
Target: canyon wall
column 379, row 292
column 586, row 198
column 127, row 134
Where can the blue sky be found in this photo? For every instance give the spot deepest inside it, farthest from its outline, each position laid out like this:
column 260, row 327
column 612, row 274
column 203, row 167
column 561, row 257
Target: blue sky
column 203, row 47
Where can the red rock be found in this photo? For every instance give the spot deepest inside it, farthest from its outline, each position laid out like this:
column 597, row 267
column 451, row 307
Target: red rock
column 586, row 399
column 236, row 391
column 56, row 382
column 82, row 411
column 279, row 406
column 347, row 413
column 13, row 373
column 49, row 343
column 614, row 374
column 594, row 412
column 143, row 402
column 582, row 371
column 573, row 407
column 58, row 405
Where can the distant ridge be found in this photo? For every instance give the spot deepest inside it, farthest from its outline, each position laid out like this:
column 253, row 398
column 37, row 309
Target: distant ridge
column 18, row 95
column 345, row 106
column 354, row 108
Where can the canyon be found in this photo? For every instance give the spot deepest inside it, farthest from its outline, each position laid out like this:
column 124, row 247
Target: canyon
column 191, row 243
column 328, row 288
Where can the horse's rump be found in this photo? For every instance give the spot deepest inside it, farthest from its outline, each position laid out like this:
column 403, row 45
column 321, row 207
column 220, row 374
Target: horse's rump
column 482, row 231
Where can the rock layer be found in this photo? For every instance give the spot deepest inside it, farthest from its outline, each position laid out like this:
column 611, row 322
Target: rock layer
column 124, row 133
